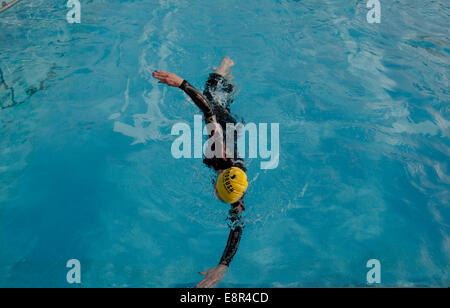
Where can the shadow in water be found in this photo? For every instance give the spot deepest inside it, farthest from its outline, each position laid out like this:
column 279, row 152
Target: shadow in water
column 8, row 94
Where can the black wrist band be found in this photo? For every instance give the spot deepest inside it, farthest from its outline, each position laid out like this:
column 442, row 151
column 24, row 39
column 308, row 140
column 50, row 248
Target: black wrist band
column 183, row 85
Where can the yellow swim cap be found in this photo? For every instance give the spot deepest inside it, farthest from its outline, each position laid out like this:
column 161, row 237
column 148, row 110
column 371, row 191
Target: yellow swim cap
column 231, row 184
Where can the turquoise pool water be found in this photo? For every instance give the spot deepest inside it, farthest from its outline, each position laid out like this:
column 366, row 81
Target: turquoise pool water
column 86, row 170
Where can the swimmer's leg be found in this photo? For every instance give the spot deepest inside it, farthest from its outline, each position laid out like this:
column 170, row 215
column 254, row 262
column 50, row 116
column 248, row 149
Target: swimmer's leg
column 220, row 81
column 219, row 92
column 224, row 68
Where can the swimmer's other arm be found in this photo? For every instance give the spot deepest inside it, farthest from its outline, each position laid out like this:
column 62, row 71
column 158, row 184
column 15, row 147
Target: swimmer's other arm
column 235, row 233
column 216, row 274
column 197, row 97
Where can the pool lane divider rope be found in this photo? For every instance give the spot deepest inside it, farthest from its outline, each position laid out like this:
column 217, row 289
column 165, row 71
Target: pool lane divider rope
column 4, row 8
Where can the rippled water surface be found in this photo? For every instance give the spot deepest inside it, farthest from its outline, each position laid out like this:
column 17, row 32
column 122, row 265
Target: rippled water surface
column 86, row 170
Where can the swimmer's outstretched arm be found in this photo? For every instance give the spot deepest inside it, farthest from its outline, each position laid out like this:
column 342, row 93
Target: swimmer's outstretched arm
column 197, row 97
column 216, row 274
column 235, row 234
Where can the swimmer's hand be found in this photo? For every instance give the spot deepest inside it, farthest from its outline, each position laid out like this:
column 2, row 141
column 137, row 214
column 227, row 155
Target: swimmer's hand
column 168, row 78
column 213, row 276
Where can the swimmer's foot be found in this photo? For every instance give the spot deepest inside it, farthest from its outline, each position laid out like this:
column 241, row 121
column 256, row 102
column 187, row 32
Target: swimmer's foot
column 224, row 68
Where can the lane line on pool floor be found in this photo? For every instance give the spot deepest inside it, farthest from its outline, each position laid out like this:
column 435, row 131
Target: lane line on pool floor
column 8, row 5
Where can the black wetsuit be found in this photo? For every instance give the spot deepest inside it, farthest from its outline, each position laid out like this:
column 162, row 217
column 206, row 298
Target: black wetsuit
column 211, row 105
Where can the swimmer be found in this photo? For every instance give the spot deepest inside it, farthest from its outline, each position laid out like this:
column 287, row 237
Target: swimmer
column 231, row 182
